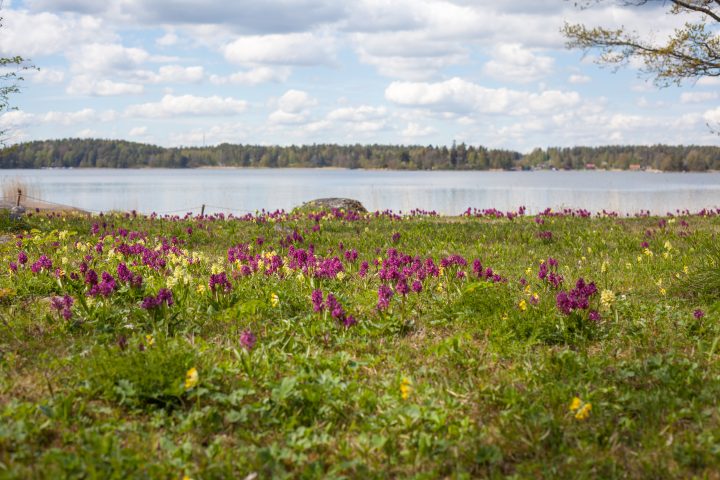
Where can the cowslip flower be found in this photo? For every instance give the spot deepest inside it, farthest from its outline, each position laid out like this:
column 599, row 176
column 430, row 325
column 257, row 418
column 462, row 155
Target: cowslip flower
column 274, row 300
column 583, row 412
column 522, row 305
column 191, row 378
column 607, row 299
column 581, row 409
column 405, row 388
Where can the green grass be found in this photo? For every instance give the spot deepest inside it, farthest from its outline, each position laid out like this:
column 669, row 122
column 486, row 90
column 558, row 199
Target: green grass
column 492, row 367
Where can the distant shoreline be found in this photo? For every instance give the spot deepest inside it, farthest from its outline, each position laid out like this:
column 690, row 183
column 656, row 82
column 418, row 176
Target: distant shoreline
column 232, row 167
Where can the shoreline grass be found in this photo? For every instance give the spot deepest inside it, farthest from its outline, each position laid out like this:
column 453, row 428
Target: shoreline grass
column 344, row 345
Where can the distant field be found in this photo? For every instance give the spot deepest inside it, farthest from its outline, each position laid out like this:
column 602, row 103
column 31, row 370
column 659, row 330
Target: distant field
column 338, row 344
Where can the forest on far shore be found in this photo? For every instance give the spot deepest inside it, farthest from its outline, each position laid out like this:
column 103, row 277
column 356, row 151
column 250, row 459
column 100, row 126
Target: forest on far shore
column 96, row 153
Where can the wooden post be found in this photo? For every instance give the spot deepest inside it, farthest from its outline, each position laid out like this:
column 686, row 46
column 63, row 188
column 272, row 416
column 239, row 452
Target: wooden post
column 202, row 211
column 18, row 199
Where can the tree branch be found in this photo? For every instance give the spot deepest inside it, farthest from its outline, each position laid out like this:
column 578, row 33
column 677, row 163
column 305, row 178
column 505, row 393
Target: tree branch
column 697, row 8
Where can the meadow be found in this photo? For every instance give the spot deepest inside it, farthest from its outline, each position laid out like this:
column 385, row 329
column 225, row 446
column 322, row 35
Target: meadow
column 333, row 344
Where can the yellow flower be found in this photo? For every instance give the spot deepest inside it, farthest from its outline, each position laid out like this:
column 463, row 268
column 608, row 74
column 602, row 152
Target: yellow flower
column 405, row 388
column 191, row 378
column 201, row 288
column 581, row 409
column 149, row 339
column 663, row 292
column 604, row 266
column 686, row 270
column 584, row 411
column 522, row 305
column 668, row 245
column 648, row 252
column 274, row 300
column 607, row 298
column 528, row 271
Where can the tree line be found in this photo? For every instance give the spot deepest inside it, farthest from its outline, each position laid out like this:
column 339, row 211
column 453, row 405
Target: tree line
column 94, row 153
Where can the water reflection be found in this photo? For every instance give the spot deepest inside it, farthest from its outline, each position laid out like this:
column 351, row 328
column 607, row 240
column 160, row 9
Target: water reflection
column 446, row 192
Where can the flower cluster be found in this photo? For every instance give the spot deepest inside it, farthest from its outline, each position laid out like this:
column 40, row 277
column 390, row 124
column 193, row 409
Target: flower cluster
column 63, row 305
column 332, row 305
column 577, row 299
column 164, row 296
column 548, row 273
column 220, row 282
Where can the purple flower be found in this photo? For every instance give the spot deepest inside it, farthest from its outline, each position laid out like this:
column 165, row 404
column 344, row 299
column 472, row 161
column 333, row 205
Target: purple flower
column 417, row 286
column 22, row 258
column 317, row 300
column 349, row 321
column 576, row 299
column 124, row 273
column 402, row 287
column 385, row 293
column 363, row 269
column 43, row 263
column 220, row 282
column 13, row 266
column 248, row 339
column 395, row 237
column 698, row 314
column 149, row 303
column 63, row 305
column 594, row 316
column 165, row 295
column 91, row 277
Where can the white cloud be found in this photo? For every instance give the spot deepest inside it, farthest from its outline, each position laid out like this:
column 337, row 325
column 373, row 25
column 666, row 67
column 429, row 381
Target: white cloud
column 34, row 35
column 254, row 76
column 15, row 119
column 294, row 101
column 515, row 63
column 85, row 85
column 461, row 96
column 289, row 49
column 69, row 118
column 698, row 97
column 138, row 132
column 577, row 79
column 173, row 74
column 362, row 113
column 708, row 82
column 46, row 76
column 292, row 107
column 167, row 40
column 171, row 105
column 87, row 133
column 107, row 58
column 415, row 130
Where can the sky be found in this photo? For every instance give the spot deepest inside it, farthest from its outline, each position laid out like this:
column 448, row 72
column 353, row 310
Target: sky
column 415, row 72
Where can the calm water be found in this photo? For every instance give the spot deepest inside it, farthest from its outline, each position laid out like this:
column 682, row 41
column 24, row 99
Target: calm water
column 245, row 190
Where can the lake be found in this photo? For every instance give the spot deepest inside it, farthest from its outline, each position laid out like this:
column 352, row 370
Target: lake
column 447, row 192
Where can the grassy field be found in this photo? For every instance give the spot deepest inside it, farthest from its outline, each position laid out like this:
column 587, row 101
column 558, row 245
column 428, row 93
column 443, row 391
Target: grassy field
column 342, row 345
